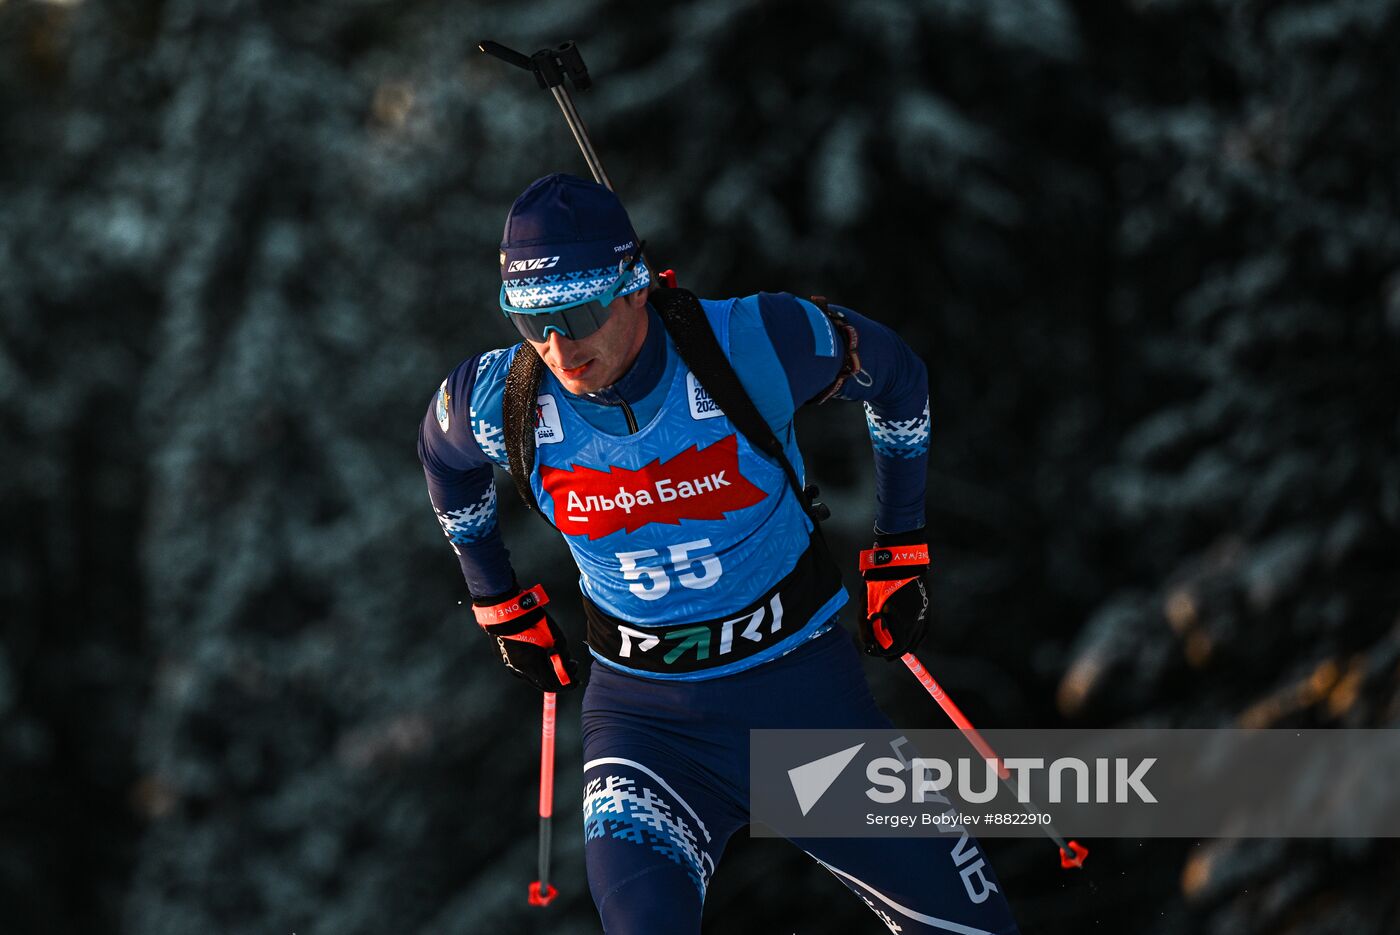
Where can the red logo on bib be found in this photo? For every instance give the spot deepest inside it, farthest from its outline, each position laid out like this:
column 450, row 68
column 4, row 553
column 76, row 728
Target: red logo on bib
column 698, row 483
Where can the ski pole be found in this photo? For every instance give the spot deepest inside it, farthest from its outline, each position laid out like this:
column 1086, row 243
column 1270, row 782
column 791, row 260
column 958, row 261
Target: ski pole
column 541, row 892
column 550, row 67
column 1072, row 853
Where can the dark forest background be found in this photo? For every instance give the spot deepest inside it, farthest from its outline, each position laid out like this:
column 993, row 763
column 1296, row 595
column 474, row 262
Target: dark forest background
column 1150, row 251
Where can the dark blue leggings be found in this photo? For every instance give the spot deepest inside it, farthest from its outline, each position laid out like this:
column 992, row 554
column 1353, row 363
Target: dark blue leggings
column 666, row 782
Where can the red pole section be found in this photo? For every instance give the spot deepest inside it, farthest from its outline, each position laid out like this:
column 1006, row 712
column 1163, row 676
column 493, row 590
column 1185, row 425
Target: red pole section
column 935, row 690
column 541, row 891
column 1072, row 853
column 547, row 756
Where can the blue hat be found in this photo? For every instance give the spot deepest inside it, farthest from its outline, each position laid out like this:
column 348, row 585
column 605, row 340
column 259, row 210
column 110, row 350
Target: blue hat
column 567, row 239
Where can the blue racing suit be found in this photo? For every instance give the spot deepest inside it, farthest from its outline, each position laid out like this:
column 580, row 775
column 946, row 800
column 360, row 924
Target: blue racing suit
column 673, row 518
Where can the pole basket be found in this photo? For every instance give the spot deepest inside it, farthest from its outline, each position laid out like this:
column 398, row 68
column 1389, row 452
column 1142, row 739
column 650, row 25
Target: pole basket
column 538, row 898
column 1076, row 859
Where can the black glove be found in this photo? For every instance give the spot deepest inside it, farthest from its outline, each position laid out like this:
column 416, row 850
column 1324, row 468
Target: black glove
column 896, row 599
column 532, row 645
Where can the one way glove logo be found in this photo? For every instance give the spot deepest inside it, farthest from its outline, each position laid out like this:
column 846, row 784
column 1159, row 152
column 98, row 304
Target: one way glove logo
column 698, row 483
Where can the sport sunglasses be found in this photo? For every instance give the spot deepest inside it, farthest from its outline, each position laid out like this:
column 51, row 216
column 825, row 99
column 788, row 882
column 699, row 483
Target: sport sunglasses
column 574, row 320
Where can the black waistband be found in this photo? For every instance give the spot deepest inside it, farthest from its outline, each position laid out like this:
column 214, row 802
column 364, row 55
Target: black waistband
column 693, row 647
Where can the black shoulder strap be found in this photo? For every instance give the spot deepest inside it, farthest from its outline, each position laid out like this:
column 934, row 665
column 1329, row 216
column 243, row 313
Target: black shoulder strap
column 695, row 341
column 518, row 410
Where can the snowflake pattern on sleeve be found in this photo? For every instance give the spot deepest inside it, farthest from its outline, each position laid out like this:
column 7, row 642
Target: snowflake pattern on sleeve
column 472, row 522
column 899, row 438
column 490, row 437
column 487, row 359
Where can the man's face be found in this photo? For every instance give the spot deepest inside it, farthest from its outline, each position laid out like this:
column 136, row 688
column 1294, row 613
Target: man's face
column 599, row 360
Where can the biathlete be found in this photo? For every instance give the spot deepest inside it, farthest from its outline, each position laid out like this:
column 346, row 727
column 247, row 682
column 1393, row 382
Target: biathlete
column 710, row 599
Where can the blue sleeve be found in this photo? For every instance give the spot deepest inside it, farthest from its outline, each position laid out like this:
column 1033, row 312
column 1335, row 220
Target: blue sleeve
column 893, row 385
column 461, row 481
column 804, row 341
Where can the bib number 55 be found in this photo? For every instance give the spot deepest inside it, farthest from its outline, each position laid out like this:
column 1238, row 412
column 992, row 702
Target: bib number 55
column 653, row 582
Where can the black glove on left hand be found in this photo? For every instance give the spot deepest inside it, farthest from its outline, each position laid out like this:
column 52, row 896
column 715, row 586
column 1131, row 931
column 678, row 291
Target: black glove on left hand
column 896, row 599
column 532, row 645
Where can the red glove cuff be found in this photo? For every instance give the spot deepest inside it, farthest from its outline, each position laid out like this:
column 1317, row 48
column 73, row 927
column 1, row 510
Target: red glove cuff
column 523, row 603
column 890, row 556
column 496, row 619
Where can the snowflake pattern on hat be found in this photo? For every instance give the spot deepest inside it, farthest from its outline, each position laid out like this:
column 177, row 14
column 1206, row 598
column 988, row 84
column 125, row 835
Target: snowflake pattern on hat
column 562, row 288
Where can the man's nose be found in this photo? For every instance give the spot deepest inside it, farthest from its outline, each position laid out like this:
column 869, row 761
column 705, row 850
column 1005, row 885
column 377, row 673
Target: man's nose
column 559, row 346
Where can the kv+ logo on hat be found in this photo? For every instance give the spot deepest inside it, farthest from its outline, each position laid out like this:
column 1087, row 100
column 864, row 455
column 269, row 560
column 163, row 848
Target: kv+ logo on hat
column 565, row 239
